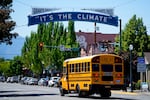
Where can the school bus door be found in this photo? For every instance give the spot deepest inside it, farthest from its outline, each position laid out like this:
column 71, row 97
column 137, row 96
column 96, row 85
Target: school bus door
column 65, row 80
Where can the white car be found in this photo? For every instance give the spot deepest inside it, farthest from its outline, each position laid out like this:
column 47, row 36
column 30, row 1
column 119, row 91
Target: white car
column 53, row 81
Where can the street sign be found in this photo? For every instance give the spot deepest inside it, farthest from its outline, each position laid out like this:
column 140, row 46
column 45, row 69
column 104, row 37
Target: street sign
column 141, row 60
column 141, row 67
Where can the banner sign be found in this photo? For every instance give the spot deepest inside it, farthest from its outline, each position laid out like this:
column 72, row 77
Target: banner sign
column 74, row 16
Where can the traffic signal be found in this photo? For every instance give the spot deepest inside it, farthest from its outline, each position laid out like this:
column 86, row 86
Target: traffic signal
column 41, row 44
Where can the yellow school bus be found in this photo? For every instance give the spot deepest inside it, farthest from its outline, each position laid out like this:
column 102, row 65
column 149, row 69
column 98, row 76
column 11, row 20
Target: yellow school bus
column 92, row 74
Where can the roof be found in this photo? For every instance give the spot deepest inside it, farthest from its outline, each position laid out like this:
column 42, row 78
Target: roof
column 88, row 57
column 99, row 37
column 80, row 58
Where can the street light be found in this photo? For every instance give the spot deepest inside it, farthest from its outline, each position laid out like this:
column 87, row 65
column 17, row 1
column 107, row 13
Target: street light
column 131, row 48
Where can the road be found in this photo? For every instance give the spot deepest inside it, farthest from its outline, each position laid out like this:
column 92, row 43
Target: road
column 15, row 91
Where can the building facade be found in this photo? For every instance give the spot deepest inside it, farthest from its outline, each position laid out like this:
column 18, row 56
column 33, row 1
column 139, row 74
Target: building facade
column 95, row 43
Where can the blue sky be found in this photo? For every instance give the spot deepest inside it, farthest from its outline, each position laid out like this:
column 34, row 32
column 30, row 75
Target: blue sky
column 124, row 9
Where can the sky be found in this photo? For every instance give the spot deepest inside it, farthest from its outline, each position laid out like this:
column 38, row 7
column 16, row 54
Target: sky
column 124, row 9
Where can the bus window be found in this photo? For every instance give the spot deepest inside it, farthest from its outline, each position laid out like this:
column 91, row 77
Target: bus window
column 80, row 68
column 82, row 65
column 88, row 66
column 77, row 67
column 118, row 68
column 107, row 68
column 69, row 66
column 85, row 67
column 95, row 67
column 72, row 68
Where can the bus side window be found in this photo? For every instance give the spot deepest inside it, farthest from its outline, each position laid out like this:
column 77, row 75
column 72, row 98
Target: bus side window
column 88, row 66
column 77, row 67
column 72, row 67
column 85, row 67
column 82, row 67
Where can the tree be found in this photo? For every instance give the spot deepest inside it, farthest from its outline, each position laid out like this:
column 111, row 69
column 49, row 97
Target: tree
column 135, row 33
column 71, row 37
column 4, row 67
column 16, row 66
column 50, row 57
column 6, row 24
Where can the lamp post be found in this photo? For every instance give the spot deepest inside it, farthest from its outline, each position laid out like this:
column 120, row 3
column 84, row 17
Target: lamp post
column 131, row 48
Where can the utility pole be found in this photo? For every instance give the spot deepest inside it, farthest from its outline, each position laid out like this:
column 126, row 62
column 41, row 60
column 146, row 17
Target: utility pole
column 94, row 37
column 120, row 35
column 95, row 33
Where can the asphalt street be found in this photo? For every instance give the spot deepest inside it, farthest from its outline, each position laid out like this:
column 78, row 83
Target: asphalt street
column 16, row 91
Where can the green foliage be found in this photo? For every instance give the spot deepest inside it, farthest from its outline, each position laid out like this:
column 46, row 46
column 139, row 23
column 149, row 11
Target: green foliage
column 12, row 67
column 52, row 35
column 135, row 33
column 6, row 24
column 16, row 66
column 4, row 67
column 138, row 85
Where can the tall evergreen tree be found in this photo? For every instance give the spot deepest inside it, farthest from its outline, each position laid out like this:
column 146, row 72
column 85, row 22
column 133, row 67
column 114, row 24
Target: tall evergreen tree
column 71, row 36
column 6, row 24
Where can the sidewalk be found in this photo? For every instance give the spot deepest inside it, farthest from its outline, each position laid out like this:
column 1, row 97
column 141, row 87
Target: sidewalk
column 142, row 92
column 135, row 92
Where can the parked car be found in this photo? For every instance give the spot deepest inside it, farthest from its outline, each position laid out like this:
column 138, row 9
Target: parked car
column 27, row 80
column 8, row 79
column 22, row 81
column 2, row 79
column 32, row 81
column 14, row 79
column 53, row 81
column 43, row 82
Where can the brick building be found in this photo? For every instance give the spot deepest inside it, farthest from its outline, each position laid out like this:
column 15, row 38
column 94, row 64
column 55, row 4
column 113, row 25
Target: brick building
column 104, row 43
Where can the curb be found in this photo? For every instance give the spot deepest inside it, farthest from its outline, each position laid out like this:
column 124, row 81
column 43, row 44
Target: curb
column 135, row 92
